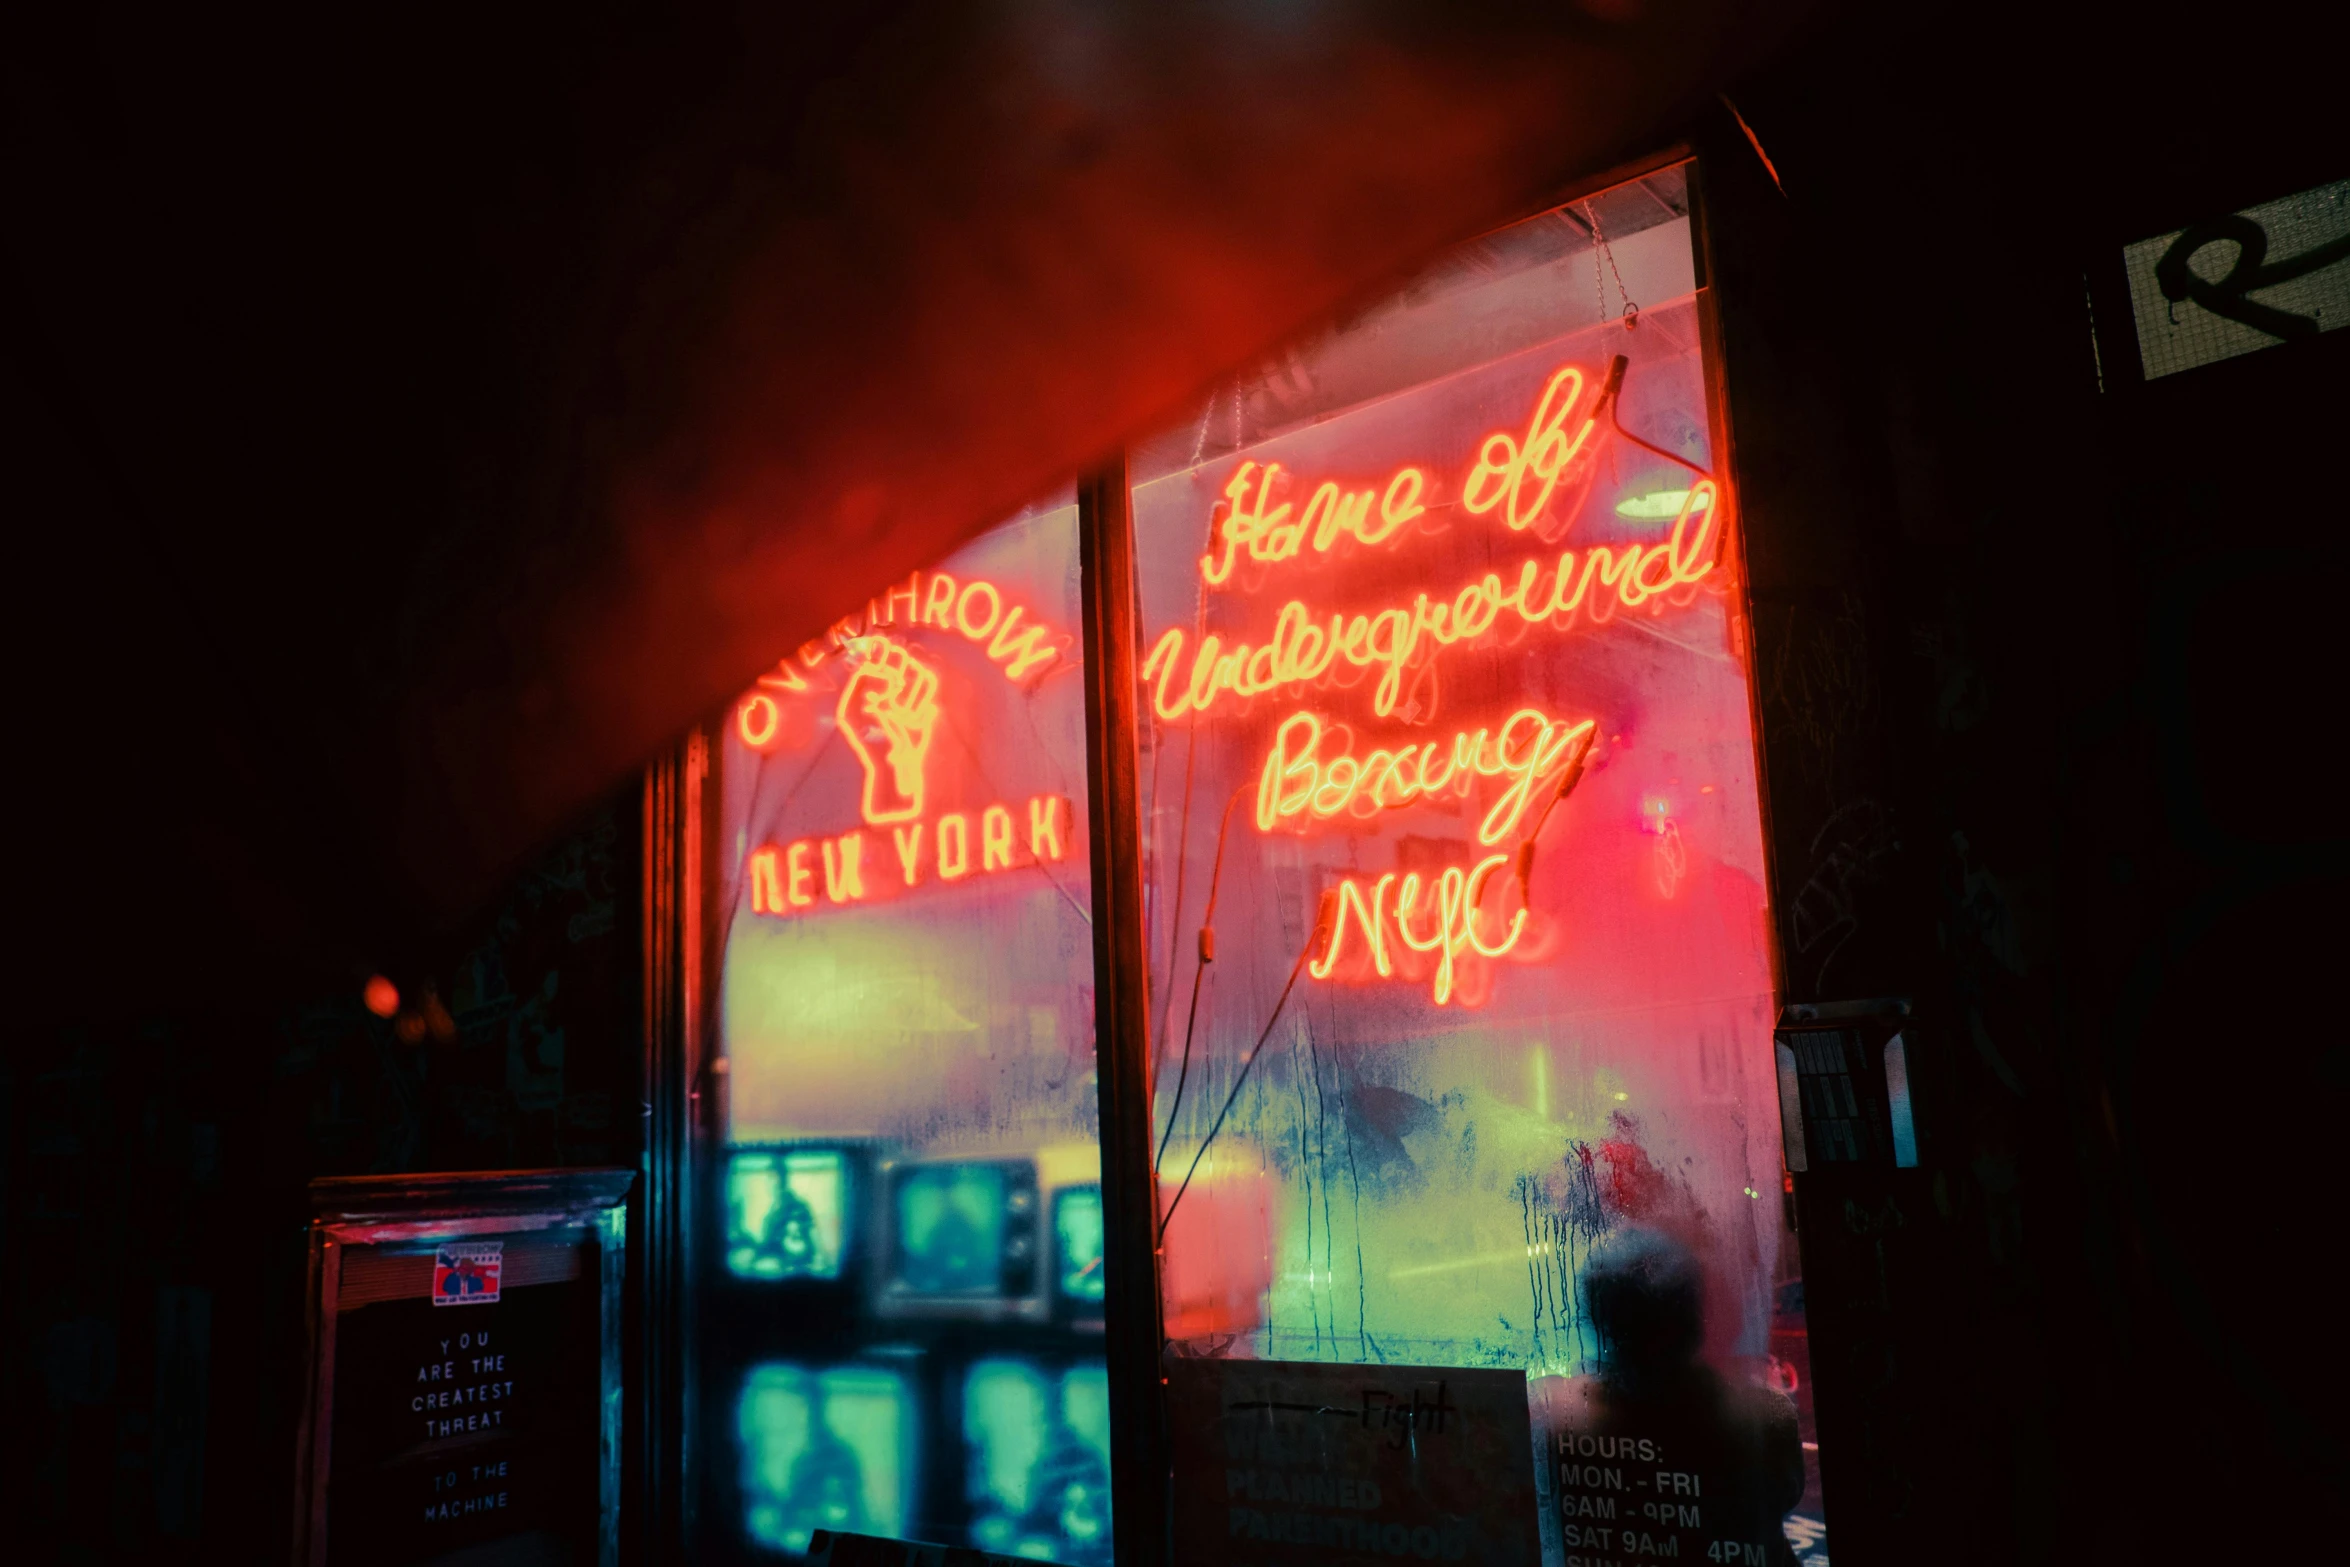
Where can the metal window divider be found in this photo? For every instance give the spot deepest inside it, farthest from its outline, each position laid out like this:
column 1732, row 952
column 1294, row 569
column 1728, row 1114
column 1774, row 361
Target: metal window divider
column 1139, row 1494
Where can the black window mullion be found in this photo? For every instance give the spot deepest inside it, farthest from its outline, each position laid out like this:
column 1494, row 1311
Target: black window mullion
column 1121, row 1027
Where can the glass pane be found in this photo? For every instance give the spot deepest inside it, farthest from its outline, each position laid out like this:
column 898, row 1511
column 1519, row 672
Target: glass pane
column 902, row 1315
column 1455, row 866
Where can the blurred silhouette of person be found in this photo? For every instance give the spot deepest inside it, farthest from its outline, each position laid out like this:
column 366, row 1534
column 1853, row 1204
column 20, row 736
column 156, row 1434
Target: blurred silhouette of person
column 1658, row 1442
column 1067, row 1515
column 827, row 1486
column 956, row 1251
column 1069, row 1499
column 787, row 1245
column 792, row 1238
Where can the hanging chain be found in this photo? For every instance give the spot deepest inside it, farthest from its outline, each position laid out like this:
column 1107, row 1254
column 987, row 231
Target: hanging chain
column 1207, row 415
column 1200, row 446
column 1602, row 248
column 1598, row 278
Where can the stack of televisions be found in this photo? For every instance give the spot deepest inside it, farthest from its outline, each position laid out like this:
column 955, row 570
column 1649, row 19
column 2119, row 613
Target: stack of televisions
column 917, row 1347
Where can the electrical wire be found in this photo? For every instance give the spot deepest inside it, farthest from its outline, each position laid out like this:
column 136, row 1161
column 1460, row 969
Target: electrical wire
column 1266, row 1033
column 1207, row 955
column 1183, row 1072
column 1611, row 396
column 1199, row 631
column 1571, row 776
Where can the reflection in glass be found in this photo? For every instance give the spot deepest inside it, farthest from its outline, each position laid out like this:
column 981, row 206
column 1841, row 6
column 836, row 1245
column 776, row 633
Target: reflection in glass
column 1077, row 1231
column 828, row 1449
column 1039, row 1482
column 905, row 981
column 1734, row 1442
column 784, row 1215
column 958, row 1228
column 1446, row 714
column 1460, row 950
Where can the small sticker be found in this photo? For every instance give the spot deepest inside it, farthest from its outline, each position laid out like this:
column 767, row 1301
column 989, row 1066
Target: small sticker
column 467, row 1275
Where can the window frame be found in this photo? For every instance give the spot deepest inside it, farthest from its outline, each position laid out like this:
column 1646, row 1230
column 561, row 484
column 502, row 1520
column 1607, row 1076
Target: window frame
column 684, row 1079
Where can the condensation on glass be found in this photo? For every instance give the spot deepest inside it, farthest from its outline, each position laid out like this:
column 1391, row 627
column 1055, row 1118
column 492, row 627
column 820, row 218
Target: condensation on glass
column 1460, row 969
column 902, row 1314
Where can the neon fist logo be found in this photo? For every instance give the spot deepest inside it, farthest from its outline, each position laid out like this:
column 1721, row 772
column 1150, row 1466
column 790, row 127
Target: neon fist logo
column 888, row 714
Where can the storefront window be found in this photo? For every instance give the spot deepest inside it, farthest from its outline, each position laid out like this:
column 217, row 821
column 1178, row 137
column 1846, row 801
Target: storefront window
column 902, row 1314
column 1461, row 991
column 1461, row 986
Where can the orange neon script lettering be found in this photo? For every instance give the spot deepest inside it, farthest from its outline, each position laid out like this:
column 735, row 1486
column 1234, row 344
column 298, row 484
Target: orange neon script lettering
column 883, row 611
column 1297, row 781
column 1454, row 896
column 844, row 875
column 939, row 608
column 783, row 879
column 1022, row 648
column 1503, row 462
column 758, row 719
column 954, row 847
column 766, row 884
column 760, row 716
column 1024, row 652
column 976, row 609
column 1305, row 646
column 1263, row 529
column 1044, row 827
column 995, row 611
column 995, row 839
column 798, row 879
column 1371, row 918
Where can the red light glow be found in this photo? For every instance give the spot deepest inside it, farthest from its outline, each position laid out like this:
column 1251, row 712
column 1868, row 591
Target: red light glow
column 1312, row 773
column 758, row 719
column 1298, row 783
column 1504, row 463
column 1266, row 533
column 1022, row 649
column 380, row 996
column 1454, row 895
column 1303, row 648
column 888, row 715
column 790, row 879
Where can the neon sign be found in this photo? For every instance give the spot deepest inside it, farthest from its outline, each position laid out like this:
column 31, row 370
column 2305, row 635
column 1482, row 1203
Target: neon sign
column 1303, row 648
column 1313, row 773
column 1023, row 649
column 897, row 695
column 1298, row 782
column 1503, row 462
column 1268, row 536
column 1456, row 895
column 812, row 872
column 889, row 714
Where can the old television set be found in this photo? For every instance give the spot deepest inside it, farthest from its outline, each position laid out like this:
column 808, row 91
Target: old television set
column 833, row 1447
column 1077, row 1251
column 1036, row 1439
column 975, row 1237
column 791, row 1213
